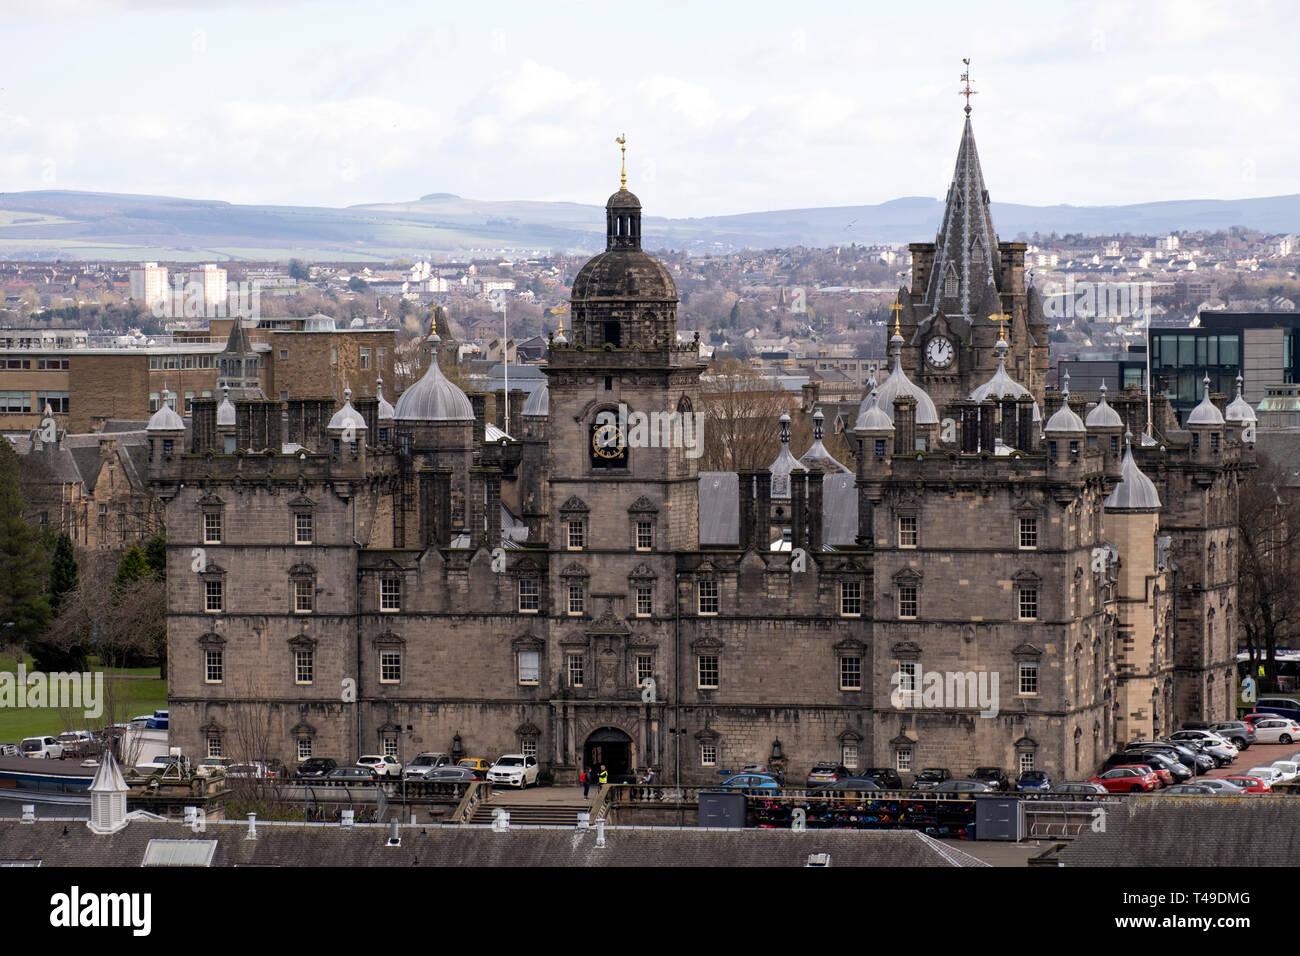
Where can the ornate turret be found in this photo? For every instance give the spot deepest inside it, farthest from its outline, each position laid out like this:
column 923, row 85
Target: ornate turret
column 1240, row 418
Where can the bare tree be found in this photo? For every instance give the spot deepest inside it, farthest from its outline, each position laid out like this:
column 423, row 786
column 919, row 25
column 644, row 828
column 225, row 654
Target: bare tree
column 1268, row 531
column 742, row 409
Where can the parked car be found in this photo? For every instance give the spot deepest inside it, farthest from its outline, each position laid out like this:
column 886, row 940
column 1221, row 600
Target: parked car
column 382, row 764
column 1206, row 738
column 47, row 748
column 960, row 785
column 1033, row 781
column 751, row 783
column 477, row 764
column 1189, row 757
column 851, row 783
column 515, row 770
column 1289, row 769
column 77, row 743
column 777, row 775
column 1078, row 790
column 886, row 778
column 340, row 776
column 10, row 750
column 211, row 765
column 1269, row 775
column 1250, row 784
column 1177, row 770
column 1279, row 706
column 1138, row 758
column 824, row 773
column 1277, row 730
column 1236, row 732
column 423, row 763
column 155, row 764
column 931, row 777
column 315, row 768
column 1198, row 789
column 1251, row 719
column 1223, row 788
column 995, row 777
column 253, row 770
column 447, row 774
column 1128, row 779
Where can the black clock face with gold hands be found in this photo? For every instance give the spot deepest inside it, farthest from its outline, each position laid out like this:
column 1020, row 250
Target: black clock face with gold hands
column 608, row 446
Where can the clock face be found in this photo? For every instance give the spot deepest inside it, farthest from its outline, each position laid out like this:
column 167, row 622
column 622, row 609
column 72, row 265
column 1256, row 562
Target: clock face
column 938, row 352
column 608, row 446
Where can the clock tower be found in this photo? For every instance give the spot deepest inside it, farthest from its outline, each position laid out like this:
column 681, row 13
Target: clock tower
column 963, row 284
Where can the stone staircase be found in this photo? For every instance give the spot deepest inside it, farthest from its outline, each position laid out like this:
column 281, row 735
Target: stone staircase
column 562, row 813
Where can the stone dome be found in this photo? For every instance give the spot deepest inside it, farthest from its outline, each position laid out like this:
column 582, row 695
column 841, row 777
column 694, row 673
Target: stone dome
column 624, row 274
column 539, row 402
column 899, row 384
column 1064, row 421
column 1240, row 410
column 165, row 419
column 1103, row 416
column 226, row 410
column 347, row 416
column 386, row 411
column 1206, row 413
column 1135, row 491
column 1002, row 385
column 433, row 398
column 871, row 417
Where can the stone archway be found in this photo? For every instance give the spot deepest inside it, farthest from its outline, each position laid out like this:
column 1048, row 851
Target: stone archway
column 613, row 748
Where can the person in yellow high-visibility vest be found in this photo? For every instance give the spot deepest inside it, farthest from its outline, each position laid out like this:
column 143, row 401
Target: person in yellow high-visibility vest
column 603, row 776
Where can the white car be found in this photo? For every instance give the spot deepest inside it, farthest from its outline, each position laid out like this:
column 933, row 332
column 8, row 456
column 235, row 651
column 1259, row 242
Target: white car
column 46, row 747
column 1270, row 775
column 1207, row 737
column 515, row 770
column 381, row 764
column 1279, row 730
column 1289, row 769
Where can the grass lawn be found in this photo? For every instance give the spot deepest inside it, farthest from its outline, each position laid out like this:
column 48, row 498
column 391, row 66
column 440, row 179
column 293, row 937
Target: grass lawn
column 132, row 691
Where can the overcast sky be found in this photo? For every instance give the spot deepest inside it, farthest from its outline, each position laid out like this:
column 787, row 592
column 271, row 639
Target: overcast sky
column 727, row 108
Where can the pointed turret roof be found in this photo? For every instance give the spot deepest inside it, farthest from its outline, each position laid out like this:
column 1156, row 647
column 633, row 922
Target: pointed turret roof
column 108, row 778
column 238, row 342
column 1135, row 491
column 817, row 453
column 966, row 247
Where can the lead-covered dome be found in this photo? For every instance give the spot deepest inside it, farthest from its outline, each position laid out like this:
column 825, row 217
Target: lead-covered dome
column 1240, row 410
column 165, row 419
column 1064, row 421
column 347, row 416
column 899, row 384
column 539, row 402
column 624, row 274
column 1135, row 491
column 1002, row 385
column 434, row 398
column 1206, row 413
column 1103, row 415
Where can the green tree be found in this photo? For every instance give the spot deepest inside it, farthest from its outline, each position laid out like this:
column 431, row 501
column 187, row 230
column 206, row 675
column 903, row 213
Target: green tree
column 130, row 569
column 358, row 284
column 299, row 270
column 24, row 608
column 155, row 556
column 63, row 572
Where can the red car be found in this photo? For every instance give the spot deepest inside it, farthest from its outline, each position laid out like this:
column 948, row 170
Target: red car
column 1249, row 784
column 1128, row 778
column 1251, row 718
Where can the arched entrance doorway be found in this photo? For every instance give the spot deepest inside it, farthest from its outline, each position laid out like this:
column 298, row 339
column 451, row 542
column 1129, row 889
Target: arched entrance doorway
column 613, row 748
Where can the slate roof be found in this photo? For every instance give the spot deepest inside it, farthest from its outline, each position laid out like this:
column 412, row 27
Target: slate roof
column 478, row 846
column 1193, row 831
column 719, row 509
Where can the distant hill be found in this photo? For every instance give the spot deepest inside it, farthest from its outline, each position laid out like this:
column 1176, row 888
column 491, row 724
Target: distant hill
column 78, row 225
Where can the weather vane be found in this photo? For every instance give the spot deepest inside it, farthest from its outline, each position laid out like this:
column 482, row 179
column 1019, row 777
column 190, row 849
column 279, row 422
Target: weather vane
column 1001, row 318
column 621, row 139
column 966, row 91
column 896, row 307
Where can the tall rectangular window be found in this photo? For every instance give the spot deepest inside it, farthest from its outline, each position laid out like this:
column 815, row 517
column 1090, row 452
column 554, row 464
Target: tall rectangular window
column 850, row 673
column 850, row 598
column 1028, row 603
column 213, row 667
column 576, row 535
column 708, row 755
column 529, row 667
column 1028, row 533
column 1027, row 678
column 577, row 670
column 304, row 595
column 645, row 537
column 302, row 527
column 212, row 527
column 708, row 597
column 708, row 672
column 907, row 601
column 214, row 596
column 907, row 677
column 645, row 669
column 390, row 667
column 390, row 593
column 577, row 598
column 304, row 749
column 529, row 595
column 849, row 756
column 903, row 759
column 303, row 667
column 644, row 601
column 365, row 359
column 1026, row 761
column 214, row 746
column 907, row 531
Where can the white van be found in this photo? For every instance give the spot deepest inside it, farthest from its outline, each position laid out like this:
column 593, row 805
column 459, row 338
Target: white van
column 46, row 747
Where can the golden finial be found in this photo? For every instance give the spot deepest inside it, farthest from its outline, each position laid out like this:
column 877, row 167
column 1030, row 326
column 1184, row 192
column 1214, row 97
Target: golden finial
column 561, row 323
column 896, row 307
column 622, row 145
column 433, row 322
column 1001, row 318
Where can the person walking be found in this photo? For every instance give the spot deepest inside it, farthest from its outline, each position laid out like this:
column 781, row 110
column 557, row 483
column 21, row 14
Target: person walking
column 604, row 776
column 586, row 782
